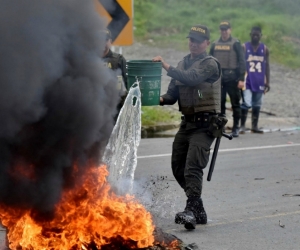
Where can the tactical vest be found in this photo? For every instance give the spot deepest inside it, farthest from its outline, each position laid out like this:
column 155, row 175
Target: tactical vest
column 226, row 54
column 204, row 97
column 112, row 62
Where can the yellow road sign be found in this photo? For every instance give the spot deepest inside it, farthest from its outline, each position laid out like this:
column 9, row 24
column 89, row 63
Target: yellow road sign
column 119, row 15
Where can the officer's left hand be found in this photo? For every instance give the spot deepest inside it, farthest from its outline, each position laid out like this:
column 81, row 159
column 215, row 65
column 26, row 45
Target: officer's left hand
column 241, row 85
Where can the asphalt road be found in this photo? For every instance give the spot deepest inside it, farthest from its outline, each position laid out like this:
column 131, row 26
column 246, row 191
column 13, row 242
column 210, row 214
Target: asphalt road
column 252, row 201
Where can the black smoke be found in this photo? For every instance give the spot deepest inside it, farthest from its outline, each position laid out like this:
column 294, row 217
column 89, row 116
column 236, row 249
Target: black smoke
column 57, row 101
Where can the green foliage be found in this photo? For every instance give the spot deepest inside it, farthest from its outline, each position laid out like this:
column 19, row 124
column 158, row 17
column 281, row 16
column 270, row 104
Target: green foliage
column 167, row 22
column 152, row 115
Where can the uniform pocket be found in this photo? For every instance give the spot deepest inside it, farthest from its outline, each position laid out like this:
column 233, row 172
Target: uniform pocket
column 203, row 157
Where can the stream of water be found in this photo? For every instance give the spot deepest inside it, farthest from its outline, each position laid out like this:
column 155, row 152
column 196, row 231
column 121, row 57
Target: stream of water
column 120, row 154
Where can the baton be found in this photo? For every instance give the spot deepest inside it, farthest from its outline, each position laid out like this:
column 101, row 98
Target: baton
column 214, row 157
column 242, row 95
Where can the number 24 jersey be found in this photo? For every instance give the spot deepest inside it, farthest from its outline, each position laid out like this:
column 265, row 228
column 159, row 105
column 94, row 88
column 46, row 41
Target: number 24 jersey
column 256, row 67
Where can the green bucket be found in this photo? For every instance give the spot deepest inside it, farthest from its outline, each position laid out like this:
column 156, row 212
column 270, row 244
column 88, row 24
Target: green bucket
column 148, row 74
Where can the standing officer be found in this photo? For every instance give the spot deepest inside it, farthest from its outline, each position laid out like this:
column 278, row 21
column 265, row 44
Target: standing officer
column 257, row 79
column 196, row 85
column 229, row 52
column 117, row 63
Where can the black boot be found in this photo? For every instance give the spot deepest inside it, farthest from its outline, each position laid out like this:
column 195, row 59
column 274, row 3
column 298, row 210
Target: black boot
column 199, row 212
column 255, row 116
column 235, row 128
column 243, row 120
column 193, row 213
column 187, row 218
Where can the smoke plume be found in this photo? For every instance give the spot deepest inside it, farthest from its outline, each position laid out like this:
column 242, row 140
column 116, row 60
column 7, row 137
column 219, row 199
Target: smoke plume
column 57, row 101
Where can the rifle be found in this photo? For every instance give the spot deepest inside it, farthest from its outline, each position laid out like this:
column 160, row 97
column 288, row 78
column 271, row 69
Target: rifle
column 216, row 129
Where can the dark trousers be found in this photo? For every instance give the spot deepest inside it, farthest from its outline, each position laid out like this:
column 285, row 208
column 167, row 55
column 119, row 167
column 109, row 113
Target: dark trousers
column 190, row 155
column 234, row 93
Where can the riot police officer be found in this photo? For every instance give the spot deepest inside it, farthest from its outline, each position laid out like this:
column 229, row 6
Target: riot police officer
column 196, row 85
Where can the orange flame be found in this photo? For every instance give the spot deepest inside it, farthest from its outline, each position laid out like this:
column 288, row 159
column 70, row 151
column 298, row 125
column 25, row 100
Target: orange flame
column 89, row 213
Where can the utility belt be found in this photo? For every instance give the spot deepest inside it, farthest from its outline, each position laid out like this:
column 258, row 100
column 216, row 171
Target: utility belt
column 202, row 120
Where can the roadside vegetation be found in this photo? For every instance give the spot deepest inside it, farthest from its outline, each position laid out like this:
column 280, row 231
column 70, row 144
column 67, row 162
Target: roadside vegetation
column 153, row 115
column 165, row 23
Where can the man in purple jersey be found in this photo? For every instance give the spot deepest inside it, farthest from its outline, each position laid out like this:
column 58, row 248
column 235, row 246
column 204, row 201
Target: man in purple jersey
column 257, row 79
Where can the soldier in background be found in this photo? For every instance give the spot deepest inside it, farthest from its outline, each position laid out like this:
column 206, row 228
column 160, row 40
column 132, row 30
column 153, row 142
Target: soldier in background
column 230, row 54
column 117, row 63
column 196, row 86
column 257, row 79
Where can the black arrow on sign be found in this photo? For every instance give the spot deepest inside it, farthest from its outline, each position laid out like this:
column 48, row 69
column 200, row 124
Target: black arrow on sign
column 119, row 17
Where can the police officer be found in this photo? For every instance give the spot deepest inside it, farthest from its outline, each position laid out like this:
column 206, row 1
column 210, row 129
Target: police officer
column 117, row 63
column 196, row 85
column 229, row 52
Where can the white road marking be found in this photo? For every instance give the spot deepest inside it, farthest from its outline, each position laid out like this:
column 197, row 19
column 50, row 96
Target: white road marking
column 230, row 150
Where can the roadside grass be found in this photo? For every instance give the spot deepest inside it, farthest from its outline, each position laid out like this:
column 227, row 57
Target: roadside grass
column 153, row 115
column 165, row 23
